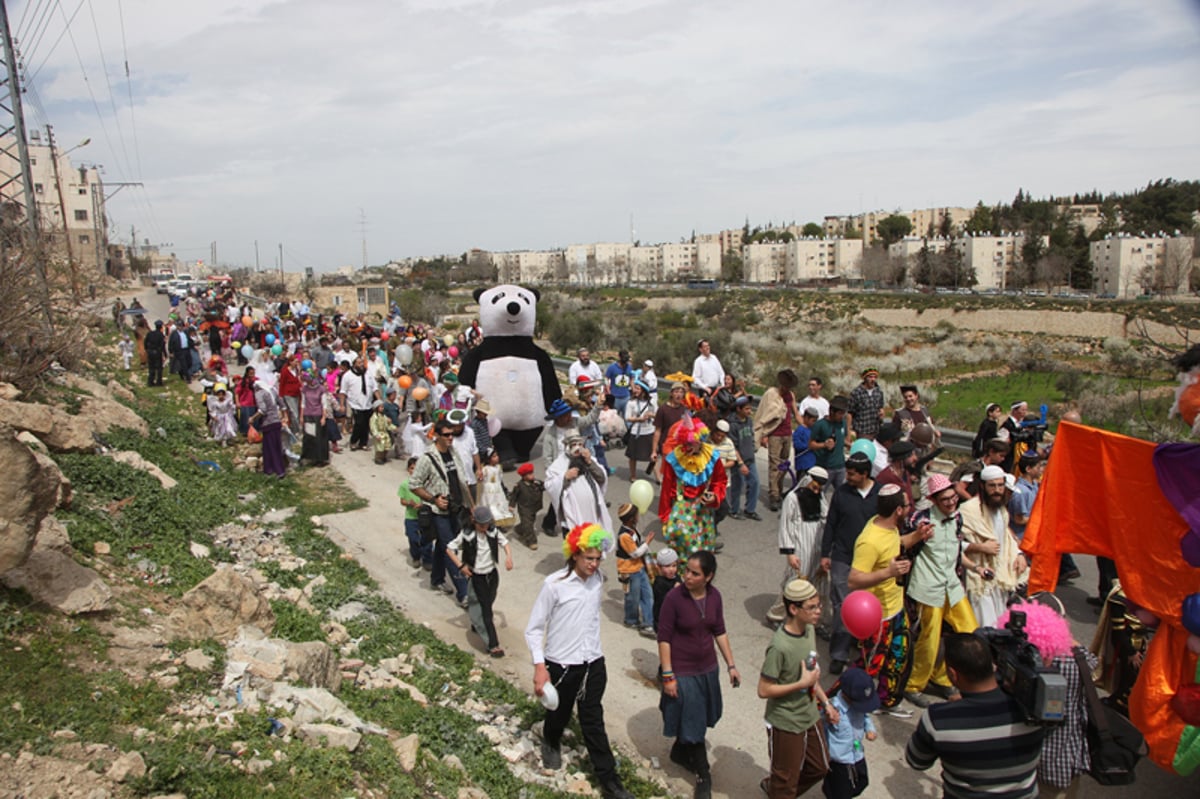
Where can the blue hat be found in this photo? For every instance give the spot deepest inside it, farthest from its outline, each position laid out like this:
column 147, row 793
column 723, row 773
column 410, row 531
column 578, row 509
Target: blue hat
column 858, row 689
column 557, row 409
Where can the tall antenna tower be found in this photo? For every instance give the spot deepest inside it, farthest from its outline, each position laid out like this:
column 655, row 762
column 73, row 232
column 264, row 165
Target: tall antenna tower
column 16, row 178
column 362, row 229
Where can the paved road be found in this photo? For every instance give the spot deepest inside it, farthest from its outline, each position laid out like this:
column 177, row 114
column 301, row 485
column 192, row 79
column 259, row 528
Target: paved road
column 749, row 571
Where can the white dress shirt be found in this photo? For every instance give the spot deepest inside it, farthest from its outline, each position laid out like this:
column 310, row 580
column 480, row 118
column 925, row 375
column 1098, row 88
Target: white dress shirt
column 564, row 625
column 708, row 372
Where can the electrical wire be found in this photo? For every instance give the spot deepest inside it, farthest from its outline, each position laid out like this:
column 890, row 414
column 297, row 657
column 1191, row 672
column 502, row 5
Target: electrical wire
column 21, row 28
column 33, row 37
column 112, row 99
column 137, row 151
column 33, row 76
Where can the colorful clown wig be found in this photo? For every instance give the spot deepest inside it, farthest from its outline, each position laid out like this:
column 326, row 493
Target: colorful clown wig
column 588, row 535
column 1047, row 630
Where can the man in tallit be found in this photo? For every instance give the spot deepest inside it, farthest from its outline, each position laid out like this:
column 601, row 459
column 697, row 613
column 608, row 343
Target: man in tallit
column 992, row 545
column 575, row 484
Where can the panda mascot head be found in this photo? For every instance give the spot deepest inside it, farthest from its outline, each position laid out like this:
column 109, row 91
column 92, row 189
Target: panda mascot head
column 515, row 375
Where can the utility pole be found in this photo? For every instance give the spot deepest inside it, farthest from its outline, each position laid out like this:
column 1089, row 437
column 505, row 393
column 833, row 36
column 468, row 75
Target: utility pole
column 281, row 261
column 62, row 209
column 256, row 267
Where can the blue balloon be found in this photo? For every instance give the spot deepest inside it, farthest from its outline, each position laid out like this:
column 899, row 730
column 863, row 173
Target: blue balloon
column 270, row 338
column 1191, row 613
column 247, row 351
column 306, row 364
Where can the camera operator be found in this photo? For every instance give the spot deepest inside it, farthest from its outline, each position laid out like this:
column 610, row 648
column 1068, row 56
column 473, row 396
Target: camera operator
column 985, row 746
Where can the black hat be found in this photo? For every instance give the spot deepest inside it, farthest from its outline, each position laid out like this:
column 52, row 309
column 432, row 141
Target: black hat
column 839, row 403
column 887, row 432
column 858, row 689
column 901, row 449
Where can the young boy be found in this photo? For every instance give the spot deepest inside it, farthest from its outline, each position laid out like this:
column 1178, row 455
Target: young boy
column 420, row 552
column 668, row 578
column 125, row 347
column 526, row 497
column 476, row 553
column 631, row 571
column 381, row 432
column 854, row 703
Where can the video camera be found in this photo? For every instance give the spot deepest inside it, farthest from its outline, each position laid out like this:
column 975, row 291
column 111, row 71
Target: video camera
column 1031, row 430
column 1041, row 691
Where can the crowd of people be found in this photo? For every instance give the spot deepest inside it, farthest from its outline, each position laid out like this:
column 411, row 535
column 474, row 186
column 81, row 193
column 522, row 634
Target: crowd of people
column 857, row 510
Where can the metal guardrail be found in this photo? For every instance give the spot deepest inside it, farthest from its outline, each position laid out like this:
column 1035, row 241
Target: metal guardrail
column 955, row 441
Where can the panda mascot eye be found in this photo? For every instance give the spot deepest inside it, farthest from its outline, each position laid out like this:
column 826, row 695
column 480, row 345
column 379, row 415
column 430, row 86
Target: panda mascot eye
column 497, row 298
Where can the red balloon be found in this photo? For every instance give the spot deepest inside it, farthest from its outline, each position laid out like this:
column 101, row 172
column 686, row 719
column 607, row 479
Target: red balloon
column 862, row 614
column 453, row 352
column 384, row 336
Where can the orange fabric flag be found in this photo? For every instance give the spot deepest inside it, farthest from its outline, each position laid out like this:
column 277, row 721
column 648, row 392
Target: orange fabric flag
column 1100, row 496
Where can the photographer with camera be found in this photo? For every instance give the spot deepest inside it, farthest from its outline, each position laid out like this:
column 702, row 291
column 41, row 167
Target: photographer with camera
column 437, row 480
column 985, row 746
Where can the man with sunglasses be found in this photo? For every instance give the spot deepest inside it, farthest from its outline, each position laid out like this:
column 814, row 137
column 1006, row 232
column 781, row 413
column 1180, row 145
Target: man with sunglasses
column 438, row 481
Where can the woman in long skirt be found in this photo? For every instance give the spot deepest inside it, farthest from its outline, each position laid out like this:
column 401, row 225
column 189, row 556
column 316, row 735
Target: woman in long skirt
column 273, row 460
column 314, row 448
column 691, row 621
column 222, row 423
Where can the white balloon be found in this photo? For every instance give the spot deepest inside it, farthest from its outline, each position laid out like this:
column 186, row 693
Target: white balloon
column 549, row 696
column 247, row 351
column 404, row 354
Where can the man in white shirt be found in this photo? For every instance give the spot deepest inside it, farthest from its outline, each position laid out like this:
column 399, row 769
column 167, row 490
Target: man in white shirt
column 814, row 398
column 584, row 365
column 648, row 377
column 465, row 445
column 563, row 636
column 358, row 392
column 340, row 353
column 707, row 372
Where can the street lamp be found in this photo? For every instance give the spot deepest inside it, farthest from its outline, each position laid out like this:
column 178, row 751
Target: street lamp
column 83, row 143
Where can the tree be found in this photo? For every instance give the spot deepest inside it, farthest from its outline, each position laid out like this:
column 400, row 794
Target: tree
column 733, row 269
column 893, row 228
column 813, row 230
column 981, row 220
column 924, row 272
column 880, row 268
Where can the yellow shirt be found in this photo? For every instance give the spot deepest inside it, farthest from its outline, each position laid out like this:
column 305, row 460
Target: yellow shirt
column 874, row 550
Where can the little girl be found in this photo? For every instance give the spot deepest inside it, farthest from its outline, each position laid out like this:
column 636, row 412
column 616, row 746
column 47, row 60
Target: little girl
column 493, row 491
column 415, row 431
column 222, row 422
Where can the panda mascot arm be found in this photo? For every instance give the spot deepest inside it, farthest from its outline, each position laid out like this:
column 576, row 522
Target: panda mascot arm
column 508, row 368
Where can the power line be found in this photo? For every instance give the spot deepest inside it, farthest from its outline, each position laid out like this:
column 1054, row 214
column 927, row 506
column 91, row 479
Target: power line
column 112, row 100
column 33, row 36
column 54, row 46
column 21, row 29
column 137, row 152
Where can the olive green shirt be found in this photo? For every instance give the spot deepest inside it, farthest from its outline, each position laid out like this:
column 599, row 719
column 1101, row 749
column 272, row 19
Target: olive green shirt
column 932, row 581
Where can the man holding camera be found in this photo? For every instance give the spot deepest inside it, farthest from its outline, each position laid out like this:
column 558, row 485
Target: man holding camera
column 985, row 746
column 438, row 481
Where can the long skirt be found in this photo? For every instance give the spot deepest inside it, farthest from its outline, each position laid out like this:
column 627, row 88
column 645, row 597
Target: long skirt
column 690, row 527
column 697, row 707
column 314, row 449
column 272, row 450
column 640, row 448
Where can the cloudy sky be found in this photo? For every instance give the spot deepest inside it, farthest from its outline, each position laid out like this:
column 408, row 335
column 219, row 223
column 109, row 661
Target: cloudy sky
column 526, row 124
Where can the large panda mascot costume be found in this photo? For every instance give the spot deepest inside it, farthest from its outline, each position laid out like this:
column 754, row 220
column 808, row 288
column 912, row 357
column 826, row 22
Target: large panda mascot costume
column 515, row 375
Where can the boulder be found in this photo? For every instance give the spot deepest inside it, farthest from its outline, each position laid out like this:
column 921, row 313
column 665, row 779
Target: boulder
column 138, row 462
column 121, row 392
column 311, row 663
column 219, row 605
column 62, row 498
column 54, row 579
column 103, row 415
column 128, row 766
column 311, row 705
column 9, row 392
column 331, row 734
column 406, row 750
column 28, row 494
column 52, row 535
column 65, row 432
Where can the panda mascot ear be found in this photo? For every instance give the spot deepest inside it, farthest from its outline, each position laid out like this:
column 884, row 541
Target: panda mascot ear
column 537, row 295
column 477, row 294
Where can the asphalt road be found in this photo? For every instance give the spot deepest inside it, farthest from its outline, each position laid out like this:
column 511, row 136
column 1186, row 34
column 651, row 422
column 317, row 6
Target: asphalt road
column 749, row 572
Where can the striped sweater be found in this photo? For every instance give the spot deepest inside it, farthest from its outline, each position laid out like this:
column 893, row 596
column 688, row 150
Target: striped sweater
column 986, row 748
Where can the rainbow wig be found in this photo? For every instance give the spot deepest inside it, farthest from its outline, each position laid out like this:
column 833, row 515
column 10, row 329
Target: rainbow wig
column 1047, row 630
column 588, row 535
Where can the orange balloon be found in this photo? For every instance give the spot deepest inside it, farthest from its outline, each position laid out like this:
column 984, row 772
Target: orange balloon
column 247, row 321
column 405, row 381
column 420, row 393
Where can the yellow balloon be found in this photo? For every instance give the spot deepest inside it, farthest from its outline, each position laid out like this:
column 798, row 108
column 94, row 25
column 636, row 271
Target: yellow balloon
column 641, row 494
column 448, row 339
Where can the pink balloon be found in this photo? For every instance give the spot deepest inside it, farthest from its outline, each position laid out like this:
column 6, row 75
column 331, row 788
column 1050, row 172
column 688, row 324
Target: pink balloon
column 454, row 352
column 862, row 614
column 384, row 336
column 493, row 426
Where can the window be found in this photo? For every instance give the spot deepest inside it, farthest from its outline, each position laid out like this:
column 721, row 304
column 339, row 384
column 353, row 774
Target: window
column 85, row 238
column 337, row 300
column 83, row 191
column 37, row 188
column 81, row 215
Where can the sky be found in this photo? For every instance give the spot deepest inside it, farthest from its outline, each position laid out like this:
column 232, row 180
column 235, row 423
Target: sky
column 436, row 126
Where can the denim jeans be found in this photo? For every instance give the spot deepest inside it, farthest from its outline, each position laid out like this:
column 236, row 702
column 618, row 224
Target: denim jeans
column 639, row 598
column 416, row 548
column 447, row 528
column 736, row 494
column 842, row 642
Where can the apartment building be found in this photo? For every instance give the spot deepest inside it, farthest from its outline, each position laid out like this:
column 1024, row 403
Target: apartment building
column 1127, row 266
column 992, row 257
column 809, row 258
column 69, row 201
column 766, row 262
